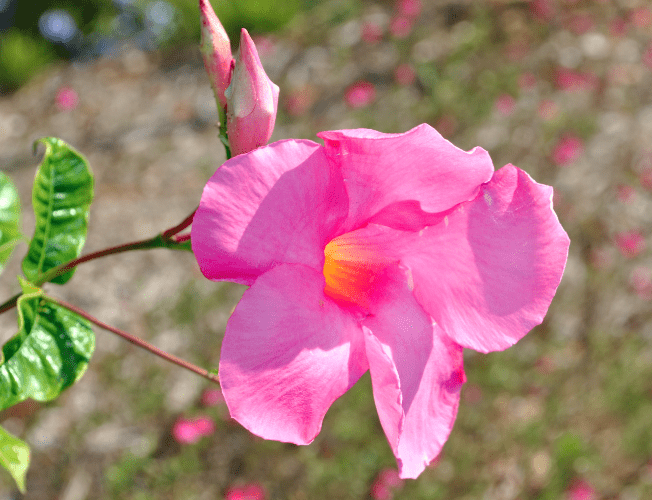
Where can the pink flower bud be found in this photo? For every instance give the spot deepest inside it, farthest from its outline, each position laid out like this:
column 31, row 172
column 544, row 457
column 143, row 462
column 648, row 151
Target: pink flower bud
column 216, row 51
column 252, row 101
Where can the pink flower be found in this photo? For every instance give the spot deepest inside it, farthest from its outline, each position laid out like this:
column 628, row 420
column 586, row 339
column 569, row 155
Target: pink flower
column 216, row 51
column 641, row 17
column 401, row 26
column 66, row 99
column 212, row 397
column 617, row 27
column 252, row 101
column 580, row 23
column 409, row 8
column 188, row 431
column 571, row 80
column 360, row 94
column 641, row 281
column 542, row 10
column 380, row 252
column 505, row 104
column 404, row 74
column 252, row 491
column 385, row 484
column 568, row 149
column 581, row 490
column 372, row 33
column 625, row 193
column 630, row 243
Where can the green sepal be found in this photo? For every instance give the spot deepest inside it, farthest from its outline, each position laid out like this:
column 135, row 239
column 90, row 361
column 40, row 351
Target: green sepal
column 10, row 233
column 61, row 197
column 49, row 353
column 14, row 456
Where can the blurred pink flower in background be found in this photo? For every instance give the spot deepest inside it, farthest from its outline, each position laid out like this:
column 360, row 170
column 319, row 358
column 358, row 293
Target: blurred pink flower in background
column 360, row 94
column 404, row 74
column 581, row 490
column 505, row 104
column 647, row 56
column 580, row 23
column 387, row 482
column 641, row 17
column 212, row 397
column 548, row 109
column 617, row 27
column 409, row 8
column 572, row 80
column 253, row 491
column 527, row 81
column 645, row 178
column 66, row 99
column 401, row 26
column 625, row 193
column 569, row 148
column 542, row 10
column 188, row 431
column 641, row 282
column 376, row 252
column 372, row 33
column 630, row 243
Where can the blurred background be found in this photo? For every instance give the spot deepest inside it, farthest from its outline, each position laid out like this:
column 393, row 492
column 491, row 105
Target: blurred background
column 560, row 88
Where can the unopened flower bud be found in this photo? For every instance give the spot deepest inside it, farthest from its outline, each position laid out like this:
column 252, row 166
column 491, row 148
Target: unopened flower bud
column 252, row 101
column 216, row 51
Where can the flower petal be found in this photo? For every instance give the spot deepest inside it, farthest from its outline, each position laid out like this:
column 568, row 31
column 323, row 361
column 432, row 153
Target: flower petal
column 383, row 169
column 278, row 204
column 288, row 353
column 416, row 373
column 488, row 271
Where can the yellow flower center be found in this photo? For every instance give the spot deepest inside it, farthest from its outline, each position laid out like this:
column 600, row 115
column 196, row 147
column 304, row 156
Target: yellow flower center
column 350, row 270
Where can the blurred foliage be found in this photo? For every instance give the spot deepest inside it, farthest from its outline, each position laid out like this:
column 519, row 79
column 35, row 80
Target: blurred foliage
column 102, row 26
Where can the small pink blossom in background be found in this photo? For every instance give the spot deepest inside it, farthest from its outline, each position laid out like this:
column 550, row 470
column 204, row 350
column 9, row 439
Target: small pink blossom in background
column 188, row 431
column 372, row 252
column 401, row 26
column 527, row 81
column 617, row 27
column 409, row 8
column 372, row 33
column 625, row 193
column 630, row 243
column 580, row 23
column 212, row 397
column 641, row 282
column 568, row 149
column 645, row 178
column 641, row 17
column 360, row 94
column 581, row 490
column 505, row 104
column 253, row 491
column 548, row 109
column 571, row 80
column 542, row 10
column 647, row 56
column 404, row 74
column 387, row 482
column 66, row 99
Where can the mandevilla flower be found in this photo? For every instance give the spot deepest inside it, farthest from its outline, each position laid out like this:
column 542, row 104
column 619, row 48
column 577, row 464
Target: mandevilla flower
column 381, row 252
column 252, row 101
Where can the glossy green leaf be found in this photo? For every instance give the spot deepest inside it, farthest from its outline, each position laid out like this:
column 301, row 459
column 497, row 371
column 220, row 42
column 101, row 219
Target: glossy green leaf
column 14, row 456
column 62, row 196
column 9, row 219
column 49, row 353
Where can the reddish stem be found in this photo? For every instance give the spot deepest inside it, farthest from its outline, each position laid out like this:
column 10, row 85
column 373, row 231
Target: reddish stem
column 137, row 341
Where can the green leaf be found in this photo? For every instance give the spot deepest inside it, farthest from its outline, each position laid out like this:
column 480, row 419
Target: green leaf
column 14, row 456
column 62, row 196
column 9, row 219
column 49, row 353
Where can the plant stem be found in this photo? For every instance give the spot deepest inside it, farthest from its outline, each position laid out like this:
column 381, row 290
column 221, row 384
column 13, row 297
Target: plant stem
column 137, row 341
column 179, row 227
